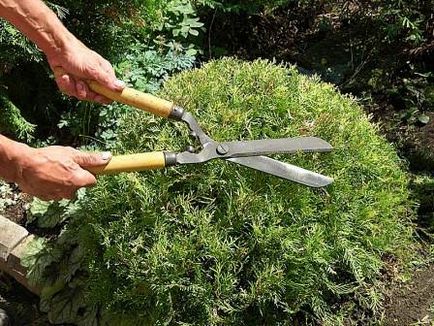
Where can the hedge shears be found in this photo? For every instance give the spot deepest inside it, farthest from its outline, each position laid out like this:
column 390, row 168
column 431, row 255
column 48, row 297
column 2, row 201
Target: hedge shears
column 251, row 154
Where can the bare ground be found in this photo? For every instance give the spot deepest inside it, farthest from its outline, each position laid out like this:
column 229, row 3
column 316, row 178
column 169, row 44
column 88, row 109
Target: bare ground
column 412, row 303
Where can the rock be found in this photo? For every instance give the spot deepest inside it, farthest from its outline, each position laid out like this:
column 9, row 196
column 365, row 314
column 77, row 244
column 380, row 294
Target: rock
column 13, row 241
column 11, row 235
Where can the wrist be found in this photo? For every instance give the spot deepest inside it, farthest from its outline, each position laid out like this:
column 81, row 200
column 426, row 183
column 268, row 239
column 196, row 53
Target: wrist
column 12, row 157
column 58, row 49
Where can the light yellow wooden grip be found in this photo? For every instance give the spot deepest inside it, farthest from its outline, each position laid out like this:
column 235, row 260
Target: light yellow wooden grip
column 140, row 100
column 132, row 162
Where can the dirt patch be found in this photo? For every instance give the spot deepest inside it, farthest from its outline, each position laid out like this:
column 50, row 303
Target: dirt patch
column 414, row 302
column 17, row 212
column 421, row 146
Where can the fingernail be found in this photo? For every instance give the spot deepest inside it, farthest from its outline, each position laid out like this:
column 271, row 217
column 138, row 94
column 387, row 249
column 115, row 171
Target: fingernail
column 80, row 87
column 106, row 156
column 119, row 83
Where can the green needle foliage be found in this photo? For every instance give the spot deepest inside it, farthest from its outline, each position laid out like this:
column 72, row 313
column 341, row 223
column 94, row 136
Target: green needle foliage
column 12, row 123
column 220, row 244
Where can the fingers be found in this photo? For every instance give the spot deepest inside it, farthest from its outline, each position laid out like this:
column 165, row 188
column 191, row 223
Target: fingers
column 57, row 172
column 79, row 64
column 107, row 77
column 108, row 80
column 83, row 178
column 101, row 70
column 79, row 89
column 92, row 159
column 66, row 84
column 55, row 196
column 83, row 91
column 92, row 96
column 79, row 178
column 100, row 99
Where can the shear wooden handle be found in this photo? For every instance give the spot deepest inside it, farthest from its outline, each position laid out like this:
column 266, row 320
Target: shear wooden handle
column 140, row 100
column 130, row 96
column 132, row 162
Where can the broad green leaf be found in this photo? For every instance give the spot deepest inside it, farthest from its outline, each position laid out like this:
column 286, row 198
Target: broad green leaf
column 64, row 306
column 34, row 248
column 39, row 207
column 48, row 214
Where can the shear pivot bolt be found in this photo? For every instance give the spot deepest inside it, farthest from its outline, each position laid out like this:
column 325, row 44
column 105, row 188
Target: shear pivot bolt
column 222, row 149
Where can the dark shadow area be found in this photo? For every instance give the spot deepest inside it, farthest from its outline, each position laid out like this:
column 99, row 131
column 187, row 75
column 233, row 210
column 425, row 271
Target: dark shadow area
column 20, row 305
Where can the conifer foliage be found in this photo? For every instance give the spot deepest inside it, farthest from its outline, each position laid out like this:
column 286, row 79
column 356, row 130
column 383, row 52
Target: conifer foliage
column 218, row 243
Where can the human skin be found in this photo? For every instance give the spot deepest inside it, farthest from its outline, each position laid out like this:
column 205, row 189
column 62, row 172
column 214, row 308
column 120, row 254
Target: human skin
column 50, row 173
column 62, row 49
column 55, row 172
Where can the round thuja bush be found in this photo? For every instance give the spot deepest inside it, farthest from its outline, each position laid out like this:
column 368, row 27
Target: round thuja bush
column 218, row 243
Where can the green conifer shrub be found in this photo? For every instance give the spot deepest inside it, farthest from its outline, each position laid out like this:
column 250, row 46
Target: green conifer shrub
column 12, row 123
column 218, row 243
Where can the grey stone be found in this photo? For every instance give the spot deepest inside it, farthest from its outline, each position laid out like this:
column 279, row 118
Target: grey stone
column 13, row 242
column 15, row 256
column 11, row 234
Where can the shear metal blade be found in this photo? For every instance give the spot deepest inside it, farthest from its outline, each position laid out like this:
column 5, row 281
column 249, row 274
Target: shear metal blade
column 283, row 170
column 272, row 146
column 212, row 150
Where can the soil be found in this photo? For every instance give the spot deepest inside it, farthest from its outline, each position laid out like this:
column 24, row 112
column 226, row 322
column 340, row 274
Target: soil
column 17, row 213
column 422, row 145
column 413, row 302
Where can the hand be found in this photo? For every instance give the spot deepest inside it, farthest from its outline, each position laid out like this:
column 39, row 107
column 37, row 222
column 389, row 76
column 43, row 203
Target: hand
column 56, row 172
column 79, row 64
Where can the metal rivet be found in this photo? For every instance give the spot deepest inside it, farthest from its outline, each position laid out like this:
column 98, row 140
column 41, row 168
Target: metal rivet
column 222, row 149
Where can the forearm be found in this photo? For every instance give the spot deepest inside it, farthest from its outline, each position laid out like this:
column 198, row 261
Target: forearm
column 79, row 63
column 40, row 24
column 10, row 151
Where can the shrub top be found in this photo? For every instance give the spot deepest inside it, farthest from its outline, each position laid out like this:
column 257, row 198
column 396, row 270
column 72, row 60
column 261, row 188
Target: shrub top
column 218, row 243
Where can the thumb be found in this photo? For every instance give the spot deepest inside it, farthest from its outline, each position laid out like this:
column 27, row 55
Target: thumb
column 92, row 159
column 109, row 80
column 106, row 76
